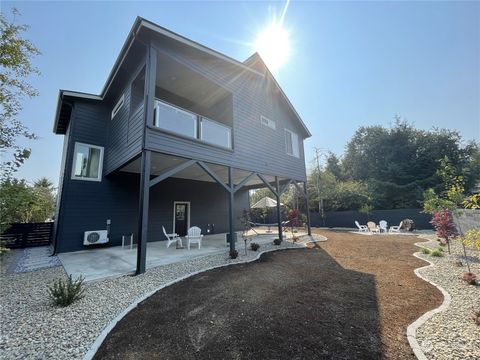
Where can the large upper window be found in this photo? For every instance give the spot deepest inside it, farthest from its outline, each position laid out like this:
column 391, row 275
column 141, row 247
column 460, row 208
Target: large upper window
column 291, row 143
column 87, row 162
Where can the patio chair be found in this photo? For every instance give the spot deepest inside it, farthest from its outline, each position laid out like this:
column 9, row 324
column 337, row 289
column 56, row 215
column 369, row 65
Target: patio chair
column 396, row 229
column 383, row 226
column 373, row 227
column 171, row 238
column 194, row 236
column 361, row 227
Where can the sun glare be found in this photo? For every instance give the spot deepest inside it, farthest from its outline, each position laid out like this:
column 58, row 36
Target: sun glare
column 273, row 46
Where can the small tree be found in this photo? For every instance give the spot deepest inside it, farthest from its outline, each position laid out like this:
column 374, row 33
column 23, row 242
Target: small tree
column 444, row 226
column 366, row 209
column 294, row 221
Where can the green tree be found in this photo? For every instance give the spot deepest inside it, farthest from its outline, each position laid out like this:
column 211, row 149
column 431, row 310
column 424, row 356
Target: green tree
column 16, row 54
column 399, row 163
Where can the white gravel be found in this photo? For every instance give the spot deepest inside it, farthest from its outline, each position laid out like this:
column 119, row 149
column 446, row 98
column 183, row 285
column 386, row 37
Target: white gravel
column 31, row 328
column 451, row 334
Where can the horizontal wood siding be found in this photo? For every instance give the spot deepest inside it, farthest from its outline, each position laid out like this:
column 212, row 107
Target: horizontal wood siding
column 125, row 132
column 256, row 147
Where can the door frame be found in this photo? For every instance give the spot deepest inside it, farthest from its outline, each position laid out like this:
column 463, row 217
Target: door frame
column 188, row 213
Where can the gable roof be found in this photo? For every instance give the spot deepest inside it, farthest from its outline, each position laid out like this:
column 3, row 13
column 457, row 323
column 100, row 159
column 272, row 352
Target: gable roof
column 256, row 61
column 63, row 111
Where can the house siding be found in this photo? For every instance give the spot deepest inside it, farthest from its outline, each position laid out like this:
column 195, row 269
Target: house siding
column 256, row 147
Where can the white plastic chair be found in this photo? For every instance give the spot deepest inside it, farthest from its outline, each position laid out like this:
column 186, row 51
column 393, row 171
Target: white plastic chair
column 383, row 226
column 396, row 229
column 373, row 227
column 194, row 236
column 171, row 238
column 361, row 227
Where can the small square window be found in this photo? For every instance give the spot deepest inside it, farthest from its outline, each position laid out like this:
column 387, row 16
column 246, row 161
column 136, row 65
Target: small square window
column 87, row 162
column 291, row 143
column 118, row 106
column 267, row 122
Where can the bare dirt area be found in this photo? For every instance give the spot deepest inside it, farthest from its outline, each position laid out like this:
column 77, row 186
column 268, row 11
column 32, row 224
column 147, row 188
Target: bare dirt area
column 351, row 297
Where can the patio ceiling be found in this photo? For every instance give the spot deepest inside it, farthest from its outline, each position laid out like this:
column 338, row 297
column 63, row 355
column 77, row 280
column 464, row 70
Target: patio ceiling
column 162, row 163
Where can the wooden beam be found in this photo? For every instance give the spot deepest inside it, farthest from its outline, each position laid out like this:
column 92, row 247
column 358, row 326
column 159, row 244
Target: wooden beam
column 244, row 181
column 308, row 209
column 300, row 189
column 143, row 211
column 231, row 208
column 286, row 186
column 171, row 172
column 279, row 213
column 268, row 184
column 214, row 176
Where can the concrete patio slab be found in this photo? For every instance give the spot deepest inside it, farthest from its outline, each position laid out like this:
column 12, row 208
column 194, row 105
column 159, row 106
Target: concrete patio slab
column 96, row 264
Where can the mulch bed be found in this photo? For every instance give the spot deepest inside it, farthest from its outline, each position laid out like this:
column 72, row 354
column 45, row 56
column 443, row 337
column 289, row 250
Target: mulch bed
column 351, row 297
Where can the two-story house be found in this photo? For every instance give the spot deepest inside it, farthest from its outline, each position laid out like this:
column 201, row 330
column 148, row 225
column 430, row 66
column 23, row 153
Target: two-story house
column 177, row 137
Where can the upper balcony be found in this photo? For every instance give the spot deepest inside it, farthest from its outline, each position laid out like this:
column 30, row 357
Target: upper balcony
column 191, row 106
column 178, row 121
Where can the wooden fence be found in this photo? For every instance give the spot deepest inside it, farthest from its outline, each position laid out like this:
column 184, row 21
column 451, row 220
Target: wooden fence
column 19, row 236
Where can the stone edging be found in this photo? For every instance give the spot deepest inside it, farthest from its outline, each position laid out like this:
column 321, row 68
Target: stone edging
column 412, row 328
column 101, row 338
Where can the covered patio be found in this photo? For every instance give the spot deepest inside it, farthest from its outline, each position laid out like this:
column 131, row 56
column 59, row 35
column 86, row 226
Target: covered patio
column 96, row 264
column 230, row 186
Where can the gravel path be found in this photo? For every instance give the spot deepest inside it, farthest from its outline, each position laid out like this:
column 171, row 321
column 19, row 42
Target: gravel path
column 451, row 334
column 33, row 329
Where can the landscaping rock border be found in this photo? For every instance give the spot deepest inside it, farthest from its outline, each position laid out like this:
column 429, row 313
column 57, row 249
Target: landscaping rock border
column 426, row 335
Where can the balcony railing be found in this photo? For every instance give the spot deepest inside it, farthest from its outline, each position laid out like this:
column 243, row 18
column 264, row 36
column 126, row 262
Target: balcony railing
column 183, row 122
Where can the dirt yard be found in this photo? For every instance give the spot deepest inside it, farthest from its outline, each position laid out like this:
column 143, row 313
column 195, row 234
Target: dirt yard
column 351, row 297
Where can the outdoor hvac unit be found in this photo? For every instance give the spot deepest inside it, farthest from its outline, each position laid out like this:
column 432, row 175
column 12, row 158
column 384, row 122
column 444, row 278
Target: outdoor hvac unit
column 95, row 237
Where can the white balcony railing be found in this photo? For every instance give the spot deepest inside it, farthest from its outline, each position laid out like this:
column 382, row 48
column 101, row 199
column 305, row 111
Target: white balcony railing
column 183, row 122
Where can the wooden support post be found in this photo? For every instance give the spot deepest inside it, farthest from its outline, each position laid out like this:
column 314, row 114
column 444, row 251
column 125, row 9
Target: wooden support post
column 279, row 213
column 143, row 211
column 308, row 208
column 231, row 195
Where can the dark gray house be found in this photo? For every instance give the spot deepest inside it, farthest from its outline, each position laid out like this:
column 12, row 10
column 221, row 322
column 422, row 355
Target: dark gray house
column 176, row 138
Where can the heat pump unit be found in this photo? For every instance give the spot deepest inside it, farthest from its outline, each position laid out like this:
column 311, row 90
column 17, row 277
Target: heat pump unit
column 95, row 237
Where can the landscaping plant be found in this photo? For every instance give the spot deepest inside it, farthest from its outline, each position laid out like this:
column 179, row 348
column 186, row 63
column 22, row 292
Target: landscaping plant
column 438, row 252
column 233, row 254
column 294, row 221
column 425, row 251
column 64, row 293
column 277, row 242
column 254, row 246
column 470, row 278
column 444, row 226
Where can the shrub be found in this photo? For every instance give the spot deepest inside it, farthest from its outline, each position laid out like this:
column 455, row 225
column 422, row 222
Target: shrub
column 472, row 238
column 233, row 254
column 470, row 278
column 277, row 242
column 254, row 246
column 63, row 293
column 425, row 251
column 436, row 252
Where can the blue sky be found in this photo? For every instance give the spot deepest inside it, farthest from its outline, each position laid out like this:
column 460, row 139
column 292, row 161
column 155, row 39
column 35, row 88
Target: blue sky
column 351, row 63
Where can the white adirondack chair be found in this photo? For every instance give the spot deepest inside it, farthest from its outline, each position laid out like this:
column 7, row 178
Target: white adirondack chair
column 372, row 227
column 383, row 226
column 361, row 227
column 171, row 238
column 396, row 229
column 194, row 235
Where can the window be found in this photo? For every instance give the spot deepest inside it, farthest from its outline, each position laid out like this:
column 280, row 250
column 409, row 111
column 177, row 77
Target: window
column 118, row 106
column 87, row 162
column 267, row 122
column 291, row 143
